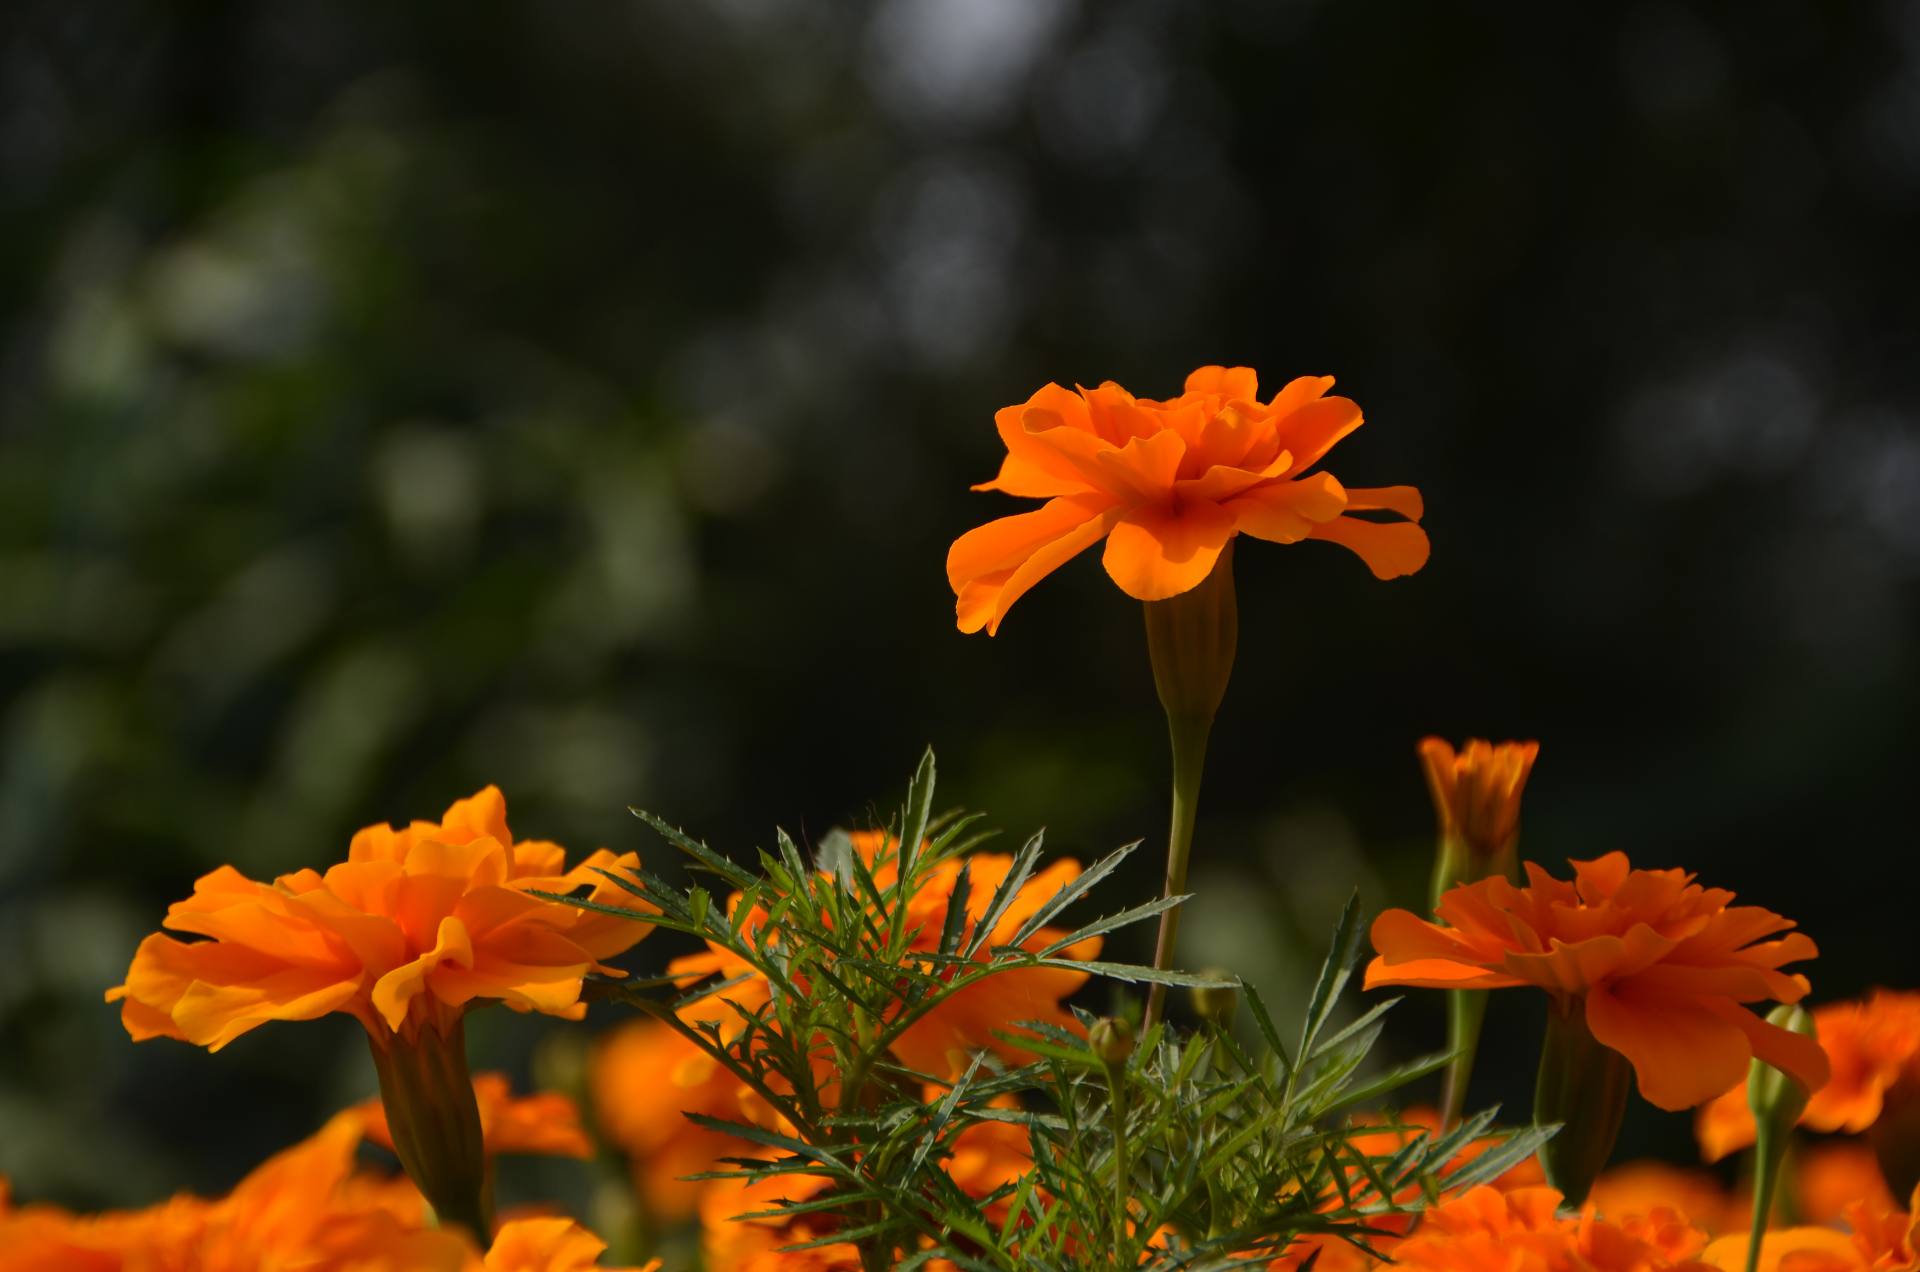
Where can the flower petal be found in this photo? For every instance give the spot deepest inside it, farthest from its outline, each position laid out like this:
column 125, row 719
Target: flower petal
column 1154, row 552
column 1288, row 511
column 1683, row 1053
column 1390, row 549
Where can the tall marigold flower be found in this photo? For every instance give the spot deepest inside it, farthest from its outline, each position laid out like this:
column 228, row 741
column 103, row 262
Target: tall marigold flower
column 1167, row 484
column 1872, row 1046
column 415, row 926
column 1487, row 1230
column 1644, row 965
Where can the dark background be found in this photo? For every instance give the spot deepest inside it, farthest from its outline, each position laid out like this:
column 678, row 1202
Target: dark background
column 582, row 397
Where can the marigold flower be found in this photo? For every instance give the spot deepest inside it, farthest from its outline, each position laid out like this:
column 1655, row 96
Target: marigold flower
column 644, row 1076
column 1167, row 484
column 1880, row 1241
column 412, row 927
column 1659, row 966
column 546, row 1123
column 1870, row 1045
column 306, row 1207
column 1642, row 1187
column 1487, row 1230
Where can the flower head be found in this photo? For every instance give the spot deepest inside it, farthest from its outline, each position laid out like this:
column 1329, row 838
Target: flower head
column 1167, row 484
column 1476, row 793
column 1871, row 1045
column 1487, row 1230
column 416, row 924
column 1881, row 1240
column 1660, row 966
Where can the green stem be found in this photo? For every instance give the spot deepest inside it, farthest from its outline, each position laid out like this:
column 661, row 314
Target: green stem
column 1466, row 1009
column 1191, row 638
column 1769, row 1162
column 1189, row 738
column 1583, row 1086
column 1117, row 1109
column 435, row 1123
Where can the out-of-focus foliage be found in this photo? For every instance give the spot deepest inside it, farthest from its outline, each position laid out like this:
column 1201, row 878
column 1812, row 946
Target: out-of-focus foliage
column 581, row 397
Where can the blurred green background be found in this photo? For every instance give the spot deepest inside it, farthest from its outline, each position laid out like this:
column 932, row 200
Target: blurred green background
column 582, row 397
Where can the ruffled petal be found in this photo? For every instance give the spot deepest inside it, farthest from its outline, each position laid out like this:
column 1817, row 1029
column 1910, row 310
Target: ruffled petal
column 1682, row 1052
column 1288, row 511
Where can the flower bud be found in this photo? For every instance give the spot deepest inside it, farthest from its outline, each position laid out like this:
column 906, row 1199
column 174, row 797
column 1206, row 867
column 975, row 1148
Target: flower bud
column 1111, row 1040
column 1776, row 1098
column 1217, row 1003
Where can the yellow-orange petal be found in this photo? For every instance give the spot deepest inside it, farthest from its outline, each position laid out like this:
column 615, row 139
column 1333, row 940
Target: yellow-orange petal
column 1240, row 384
column 1391, row 549
column 1033, row 468
column 1405, row 500
column 1312, row 429
column 1155, row 552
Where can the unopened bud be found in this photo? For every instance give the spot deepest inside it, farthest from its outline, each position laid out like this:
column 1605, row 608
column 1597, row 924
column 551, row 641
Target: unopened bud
column 1217, row 1003
column 1777, row 1098
column 1111, row 1040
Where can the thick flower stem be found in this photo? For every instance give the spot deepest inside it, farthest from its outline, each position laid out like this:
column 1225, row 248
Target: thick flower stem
column 435, row 1123
column 1191, row 639
column 1583, row 1086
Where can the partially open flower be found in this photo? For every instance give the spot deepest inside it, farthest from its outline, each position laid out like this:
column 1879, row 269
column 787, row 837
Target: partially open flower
column 1476, row 798
column 1659, row 966
column 1168, row 483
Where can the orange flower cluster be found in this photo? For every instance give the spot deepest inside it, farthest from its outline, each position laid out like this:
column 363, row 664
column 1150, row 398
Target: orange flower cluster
column 1871, row 1045
column 1488, row 1230
column 1167, row 484
column 1661, row 967
column 309, row 1207
column 417, row 923
column 1881, row 1240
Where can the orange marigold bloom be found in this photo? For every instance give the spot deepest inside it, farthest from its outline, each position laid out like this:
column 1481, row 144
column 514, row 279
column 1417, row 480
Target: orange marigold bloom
column 1642, row 1187
column 1167, row 484
column 413, row 926
column 1487, row 1230
column 306, row 1207
column 1476, row 791
column 1659, row 964
column 644, row 1076
column 1871, row 1046
column 1881, row 1240
column 546, row 1123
